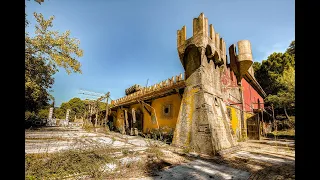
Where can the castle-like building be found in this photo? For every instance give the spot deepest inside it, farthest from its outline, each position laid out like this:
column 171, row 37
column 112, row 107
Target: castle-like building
column 209, row 107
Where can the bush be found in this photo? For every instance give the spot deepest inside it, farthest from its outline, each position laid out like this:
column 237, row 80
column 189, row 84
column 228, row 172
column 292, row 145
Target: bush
column 43, row 113
column 29, row 115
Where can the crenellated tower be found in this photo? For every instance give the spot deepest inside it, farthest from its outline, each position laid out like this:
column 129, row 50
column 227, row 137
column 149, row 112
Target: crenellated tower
column 202, row 122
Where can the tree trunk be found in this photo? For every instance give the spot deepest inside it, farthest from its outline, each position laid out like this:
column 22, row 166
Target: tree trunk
column 285, row 111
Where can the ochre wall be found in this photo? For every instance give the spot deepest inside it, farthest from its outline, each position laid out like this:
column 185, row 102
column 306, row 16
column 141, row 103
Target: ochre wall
column 235, row 121
column 166, row 124
column 120, row 120
column 251, row 96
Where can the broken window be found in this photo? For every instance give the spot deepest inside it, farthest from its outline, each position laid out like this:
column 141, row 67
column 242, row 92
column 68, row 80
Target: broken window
column 166, row 110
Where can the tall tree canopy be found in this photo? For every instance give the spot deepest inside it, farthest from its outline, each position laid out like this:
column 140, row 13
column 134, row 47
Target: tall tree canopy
column 285, row 97
column 276, row 76
column 292, row 48
column 76, row 105
column 44, row 53
column 78, row 108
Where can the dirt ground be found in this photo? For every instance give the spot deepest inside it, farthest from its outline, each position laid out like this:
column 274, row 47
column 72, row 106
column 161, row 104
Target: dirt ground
column 255, row 159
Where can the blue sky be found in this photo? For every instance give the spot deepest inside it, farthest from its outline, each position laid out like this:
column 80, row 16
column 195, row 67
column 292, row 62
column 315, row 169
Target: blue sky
column 127, row 42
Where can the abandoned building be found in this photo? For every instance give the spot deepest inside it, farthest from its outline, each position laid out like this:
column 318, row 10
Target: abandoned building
column 208, row 108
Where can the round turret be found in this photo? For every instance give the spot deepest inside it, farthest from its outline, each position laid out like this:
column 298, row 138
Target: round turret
column 244, row 56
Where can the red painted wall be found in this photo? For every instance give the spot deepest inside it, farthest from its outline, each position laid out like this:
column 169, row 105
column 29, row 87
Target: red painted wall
column 250, row 96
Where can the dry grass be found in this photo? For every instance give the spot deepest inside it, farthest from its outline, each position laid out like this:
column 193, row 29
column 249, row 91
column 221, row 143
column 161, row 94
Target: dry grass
column 290, row 133
column 89, row 162
column 155, row 151
column 71, row 162
column 88, row 127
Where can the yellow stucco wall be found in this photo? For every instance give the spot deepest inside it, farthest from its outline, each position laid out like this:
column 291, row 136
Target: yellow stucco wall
column 166, row 124
column 234, row 119
column 120, row 120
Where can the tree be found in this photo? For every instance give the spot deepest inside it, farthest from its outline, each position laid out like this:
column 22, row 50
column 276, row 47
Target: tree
column 59, row 113
column 44, row 53
column 285, row 97
column 276, row 75
column 43, row 113
column 76, row 105
column 272, row 68
column 291, row 49
column 256, row 66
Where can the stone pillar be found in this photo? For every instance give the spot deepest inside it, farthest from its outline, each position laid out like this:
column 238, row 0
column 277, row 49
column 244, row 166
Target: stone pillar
column 67, row 115
column 49, row 120
column 133, row 115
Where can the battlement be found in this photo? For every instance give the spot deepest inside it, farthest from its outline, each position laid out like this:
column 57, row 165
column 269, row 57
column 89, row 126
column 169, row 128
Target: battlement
column 173, row 82
column 182, row 36
column 203, row 34
column 200, row 25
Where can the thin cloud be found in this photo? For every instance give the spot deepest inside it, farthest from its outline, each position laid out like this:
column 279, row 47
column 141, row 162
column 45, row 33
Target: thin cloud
column 277, row 47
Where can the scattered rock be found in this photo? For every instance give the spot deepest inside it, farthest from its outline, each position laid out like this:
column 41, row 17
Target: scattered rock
column 128, row 160
column 109, row 167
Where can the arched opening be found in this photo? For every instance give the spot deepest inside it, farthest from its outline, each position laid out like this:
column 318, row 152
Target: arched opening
column 191, row 60
column 209, row 53
column 216, row 59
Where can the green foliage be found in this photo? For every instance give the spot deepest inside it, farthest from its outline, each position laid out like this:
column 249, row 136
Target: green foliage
column 271, row 69
column 43, row 113
column 276, row 75
column 76, row 105
column 256, row 66
column 59, row 113
column 102, row 106
column 291, row 49
column 285, row 97
column 29, row 115
column 44, row 53
column 54, row 48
